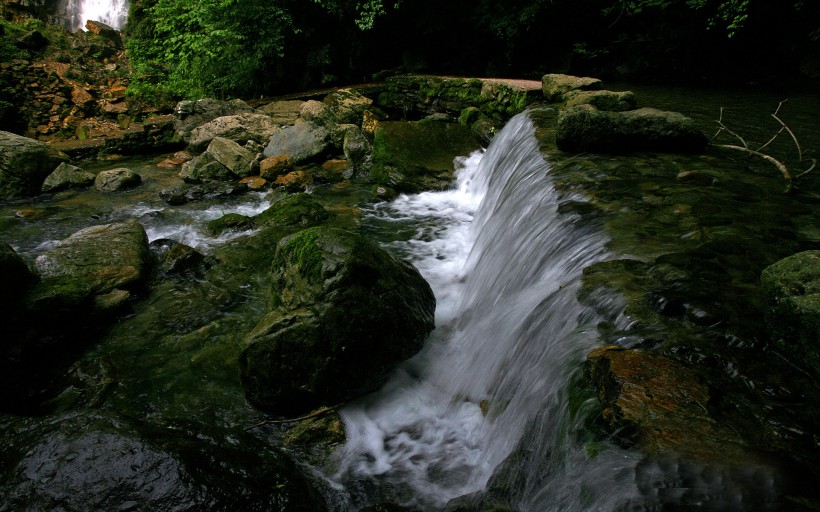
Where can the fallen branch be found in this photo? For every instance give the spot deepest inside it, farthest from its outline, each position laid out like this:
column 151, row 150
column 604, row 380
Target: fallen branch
column 315, row 414
column 784, row 170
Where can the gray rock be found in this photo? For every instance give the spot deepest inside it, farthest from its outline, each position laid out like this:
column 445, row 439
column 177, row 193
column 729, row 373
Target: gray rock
column 584, row 128
column 556, row 86
column 603, row 100
column 205, row 168
column 301, row 142
column 24, row 165
column 358, row 150
column 195, row 192
column 284, row 112
column 347, row 105
column 104, row 257
column 345, row 313
column 190, row 114
column 317, row 113
column 67, row 176
column 239, row 128
column 234, row 157
column 116, row 179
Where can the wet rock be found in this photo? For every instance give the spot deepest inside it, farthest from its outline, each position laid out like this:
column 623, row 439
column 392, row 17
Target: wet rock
column 296, row 181
column 173, row 257
column 359, row 151
column 186, row 193
column 583, row 128
column 105, row 257
column 603, row 100
column 318, row 113
column 294, row 210
column 302, row 142
column 230, row 222
column 116, row 179
column 660, row 405
column 411, row 157
column 99, row 462
column 556, row 86
column 792, row 308
column 345, row 312
column 15, row 275
column 238, row 160
column 254, row 182
column 205, row 168
column 239, row 128
column 67, row 176
column 24, row 165
column 272, row 167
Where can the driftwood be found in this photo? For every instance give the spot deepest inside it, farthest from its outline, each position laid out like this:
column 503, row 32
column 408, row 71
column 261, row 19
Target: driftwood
column 784, row 170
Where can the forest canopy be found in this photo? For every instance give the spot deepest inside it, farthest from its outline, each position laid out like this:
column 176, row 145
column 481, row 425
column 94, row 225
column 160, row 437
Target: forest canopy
column 185, row 48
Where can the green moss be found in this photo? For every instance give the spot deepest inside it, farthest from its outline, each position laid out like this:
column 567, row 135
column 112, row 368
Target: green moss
column 230, row 222
column 293, row 210
column 305, row 251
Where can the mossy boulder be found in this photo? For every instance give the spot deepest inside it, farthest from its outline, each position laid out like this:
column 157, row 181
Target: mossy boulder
column 412, row 156
column 344, row 313
column 238, row 160
column 556, row 86
column 792, row 293
column 24, row 165
column 608, row 101
column 347, row 105
column 584, row 128
column 114, row 180
column 239, row 128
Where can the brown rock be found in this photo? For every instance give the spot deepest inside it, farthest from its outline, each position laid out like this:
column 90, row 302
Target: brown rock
column 80, row 96
column 114, row 108
column 660, row 405
column 254, row 182
column 296, row 181
column 275, row 166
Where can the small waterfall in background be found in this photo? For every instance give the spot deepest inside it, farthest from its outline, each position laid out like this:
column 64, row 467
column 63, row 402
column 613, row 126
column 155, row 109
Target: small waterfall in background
column 73, row 14
column 509, row 342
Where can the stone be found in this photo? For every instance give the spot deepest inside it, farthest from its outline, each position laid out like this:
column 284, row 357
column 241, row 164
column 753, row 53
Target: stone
column 304, row 141
column 344, row 313
column 659, row 405
column 15, row 275
column 230, row 222
column 183, row 194
column 284, row 112
column 173, row 257
column 791, row 288
column 347, row 105
column 239, row 128
column 370, row 121
column 116, row 179
column 205, row 168
column 234, row 157
column 112, row 108
column 105, row 31
column 275, row 166
column 24, row 165
column 603, row 100
column 254, row 182
column 67, row 176
column 104, row 257
column 190, row 114
column 584, row 128
column 358, row 150
column 295, row 181
column 556, row 86
column 318, row 113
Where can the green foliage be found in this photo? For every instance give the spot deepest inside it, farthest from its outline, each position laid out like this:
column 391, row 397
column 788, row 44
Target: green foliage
column 730, row 15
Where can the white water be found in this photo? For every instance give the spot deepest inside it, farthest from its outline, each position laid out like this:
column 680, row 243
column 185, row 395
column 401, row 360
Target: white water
column 510, row 339
column 113, row 13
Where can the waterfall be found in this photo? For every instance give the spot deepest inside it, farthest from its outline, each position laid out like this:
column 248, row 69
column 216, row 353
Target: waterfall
column 509, row 342
column 75, row 13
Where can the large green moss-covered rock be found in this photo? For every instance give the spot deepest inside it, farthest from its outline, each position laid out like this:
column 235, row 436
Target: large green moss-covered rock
column 792, row 290
column 344, row 313
column 584, row 128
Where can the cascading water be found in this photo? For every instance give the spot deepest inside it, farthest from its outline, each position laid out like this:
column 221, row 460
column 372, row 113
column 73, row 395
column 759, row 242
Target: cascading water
column 75, row 13
column 509, row 342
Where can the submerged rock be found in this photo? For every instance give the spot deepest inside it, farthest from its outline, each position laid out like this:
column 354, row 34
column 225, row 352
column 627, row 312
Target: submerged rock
column 584, row 128
column 345, row 312
column 24, row 165
column 211, row 190
column 792, row 310
column 67, row 176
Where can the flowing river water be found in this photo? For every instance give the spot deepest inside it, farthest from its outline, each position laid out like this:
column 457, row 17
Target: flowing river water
column 496, row 404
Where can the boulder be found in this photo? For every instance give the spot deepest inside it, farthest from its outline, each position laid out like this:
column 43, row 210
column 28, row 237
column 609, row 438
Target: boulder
column 67, row 176
column 103, row 257
column 358, row 150
column 205, row 168
column 659, row 405
column 555, row 87
column 195, row 192
column 230, row 222
column 190, row 114
column 317, row 113
column 584, row 128
column 116, row 179
column 239, row 128
column 15, row 276
column 791, row 288
column 24, row 165
column 295, row 181
column 172, row 257
column 348, row 106
column 283, row 112
column 603, row 100
column 303, row 141
column 234, row 157
column 275, row 166
column 344, row 313
column 105, row 31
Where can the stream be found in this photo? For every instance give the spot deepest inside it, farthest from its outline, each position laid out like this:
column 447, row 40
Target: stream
column 496, row 408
